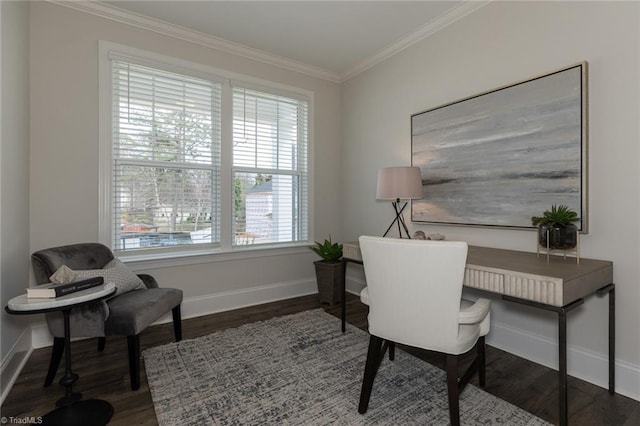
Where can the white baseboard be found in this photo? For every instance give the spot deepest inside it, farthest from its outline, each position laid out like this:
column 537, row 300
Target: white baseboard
column 226, row 301
column 221, row 302
column 14, row 362
column 355, row 280
column 40, row 336
column 585, row 365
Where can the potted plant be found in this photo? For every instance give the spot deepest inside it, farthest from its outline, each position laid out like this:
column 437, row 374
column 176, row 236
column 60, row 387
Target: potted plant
column 558, row 225
column 329, row 270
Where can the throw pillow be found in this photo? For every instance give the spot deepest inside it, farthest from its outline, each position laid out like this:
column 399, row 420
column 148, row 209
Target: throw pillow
column 114, row 272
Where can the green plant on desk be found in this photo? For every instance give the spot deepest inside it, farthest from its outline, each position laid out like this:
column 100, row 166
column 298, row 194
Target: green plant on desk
column 556, row 229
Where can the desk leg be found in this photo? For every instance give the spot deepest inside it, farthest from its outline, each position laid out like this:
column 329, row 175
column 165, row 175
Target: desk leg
column 612, row 341
column 562, row 348
column 611, row 289
column 562, row 366
column 343, row 294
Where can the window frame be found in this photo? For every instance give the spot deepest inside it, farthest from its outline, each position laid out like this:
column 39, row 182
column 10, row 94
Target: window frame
column 107, row 51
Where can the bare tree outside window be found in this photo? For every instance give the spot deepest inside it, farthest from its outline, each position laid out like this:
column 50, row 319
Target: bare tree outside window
column 164, row 171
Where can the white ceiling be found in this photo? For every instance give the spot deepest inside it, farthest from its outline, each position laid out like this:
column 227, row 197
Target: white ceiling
column 338, row 38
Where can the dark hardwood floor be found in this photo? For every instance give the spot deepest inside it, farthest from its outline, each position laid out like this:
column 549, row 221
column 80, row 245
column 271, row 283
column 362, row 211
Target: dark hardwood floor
column 105, row 375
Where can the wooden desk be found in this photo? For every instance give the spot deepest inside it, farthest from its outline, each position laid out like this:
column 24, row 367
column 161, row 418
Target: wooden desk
column 521, row 277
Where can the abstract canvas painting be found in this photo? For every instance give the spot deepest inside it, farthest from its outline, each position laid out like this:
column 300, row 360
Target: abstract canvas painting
column 503, row 156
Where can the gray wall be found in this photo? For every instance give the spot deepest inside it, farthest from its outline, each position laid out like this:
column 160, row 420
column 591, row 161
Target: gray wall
column 14, row 176
column 502, row 43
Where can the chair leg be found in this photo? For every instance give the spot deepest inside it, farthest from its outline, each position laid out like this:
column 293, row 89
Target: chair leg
column 56, row 355
column 481, row 362
column 370, row 370
column 101, row 343
column 133, row 344
column 453, row 390
column 177, row 323
column 392, row 351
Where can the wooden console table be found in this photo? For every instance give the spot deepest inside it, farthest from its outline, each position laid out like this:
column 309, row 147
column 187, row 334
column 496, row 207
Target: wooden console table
column 558, row 285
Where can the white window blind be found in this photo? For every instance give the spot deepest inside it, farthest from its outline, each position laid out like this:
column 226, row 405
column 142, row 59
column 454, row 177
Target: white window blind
column 166, row 142
column 269, row 168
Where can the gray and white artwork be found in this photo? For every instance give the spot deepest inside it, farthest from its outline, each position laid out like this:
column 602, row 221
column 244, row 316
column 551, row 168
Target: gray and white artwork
column 499, row 158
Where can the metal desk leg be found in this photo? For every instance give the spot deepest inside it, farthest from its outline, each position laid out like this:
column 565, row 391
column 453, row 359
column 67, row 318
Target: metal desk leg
column 562, row 348
column 562, row 366
column 343, row 294
column 611, row 289
column 612, row 340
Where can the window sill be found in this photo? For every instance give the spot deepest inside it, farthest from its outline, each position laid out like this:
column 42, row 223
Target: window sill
column 194, row 257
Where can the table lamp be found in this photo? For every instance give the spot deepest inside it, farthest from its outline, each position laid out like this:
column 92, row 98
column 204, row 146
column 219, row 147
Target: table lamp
column 399, row 183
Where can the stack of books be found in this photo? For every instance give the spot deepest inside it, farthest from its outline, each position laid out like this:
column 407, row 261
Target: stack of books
column 51, row 291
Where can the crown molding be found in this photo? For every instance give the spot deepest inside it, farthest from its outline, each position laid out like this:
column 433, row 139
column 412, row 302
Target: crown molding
column 431, row 27
column 206, row 40
column 125, row 17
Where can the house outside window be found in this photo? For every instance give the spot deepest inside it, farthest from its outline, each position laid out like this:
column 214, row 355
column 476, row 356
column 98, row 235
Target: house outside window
column 165, row 186
column 269, row 167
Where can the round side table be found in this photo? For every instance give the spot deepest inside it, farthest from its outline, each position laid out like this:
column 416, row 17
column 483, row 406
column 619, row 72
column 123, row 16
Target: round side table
column 72, row 410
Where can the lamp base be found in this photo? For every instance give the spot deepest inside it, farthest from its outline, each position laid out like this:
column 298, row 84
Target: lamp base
column 399, row 219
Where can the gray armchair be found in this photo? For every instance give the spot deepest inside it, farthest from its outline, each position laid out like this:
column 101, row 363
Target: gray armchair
column 126, row 314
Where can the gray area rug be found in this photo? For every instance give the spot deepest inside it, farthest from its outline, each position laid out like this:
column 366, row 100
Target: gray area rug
column 301, row 370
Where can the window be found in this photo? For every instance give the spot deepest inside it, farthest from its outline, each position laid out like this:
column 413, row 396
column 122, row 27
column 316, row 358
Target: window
column 269, row 167
column 166, row 158
column 166, row 186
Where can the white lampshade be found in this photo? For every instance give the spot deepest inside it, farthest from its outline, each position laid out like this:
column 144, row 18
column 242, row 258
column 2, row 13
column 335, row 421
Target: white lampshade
column 403, row 183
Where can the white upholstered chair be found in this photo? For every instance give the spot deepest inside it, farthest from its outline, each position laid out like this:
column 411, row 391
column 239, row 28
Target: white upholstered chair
column 414, row 293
